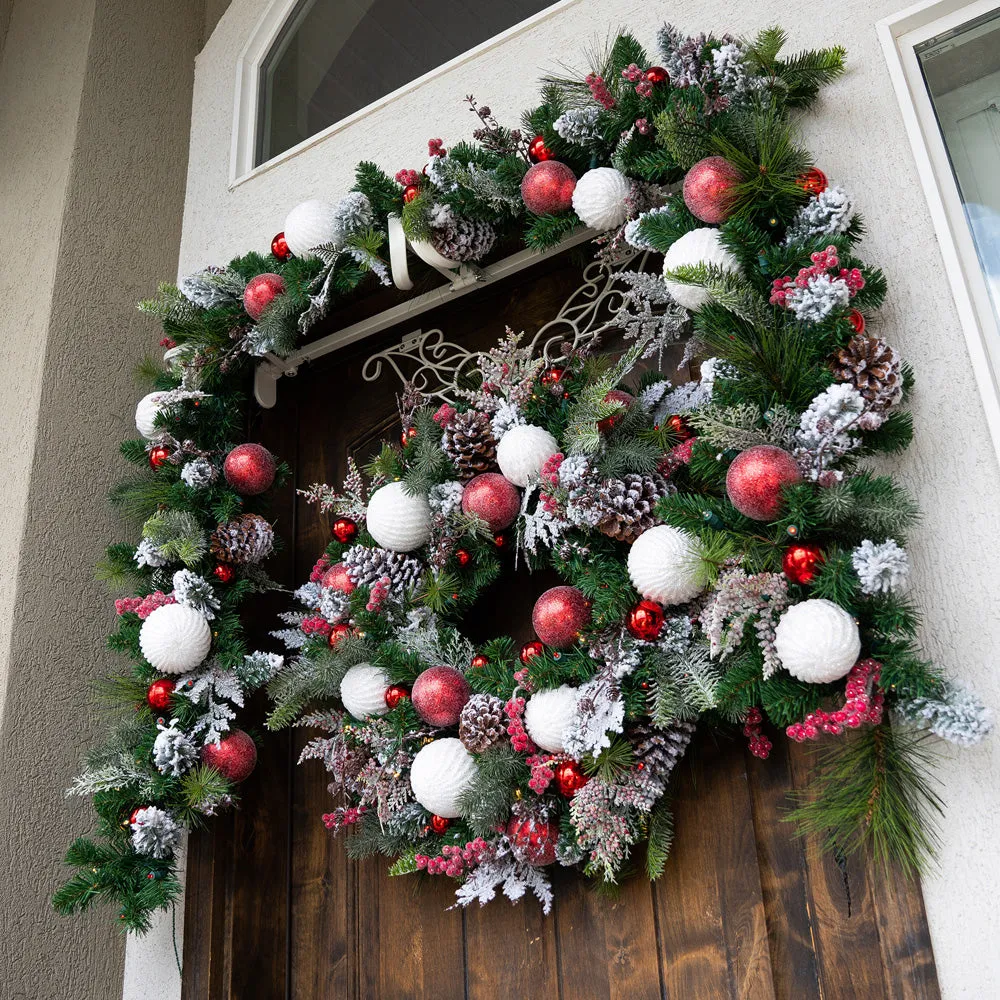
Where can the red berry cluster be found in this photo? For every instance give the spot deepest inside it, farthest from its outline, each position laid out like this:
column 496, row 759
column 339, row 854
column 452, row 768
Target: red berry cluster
column 864, row 704
column 454, row 860
column 760, row 745
column 823, row 261
column 599, row 91
column 519, row 738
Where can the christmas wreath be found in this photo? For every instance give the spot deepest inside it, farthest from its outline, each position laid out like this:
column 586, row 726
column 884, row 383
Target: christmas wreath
column 726, row 549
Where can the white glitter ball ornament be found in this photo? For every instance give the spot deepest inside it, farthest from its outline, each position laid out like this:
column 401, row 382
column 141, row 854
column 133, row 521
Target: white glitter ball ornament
column 441, row 772
column 700, row 246
column 308, row 225
column 600, row 198
column 397, row 520
column 145, row 415
column 548, row 714
column 522, row 452
column 175, row 638
column 663, row 565
column 817, row 641
column 362, row 690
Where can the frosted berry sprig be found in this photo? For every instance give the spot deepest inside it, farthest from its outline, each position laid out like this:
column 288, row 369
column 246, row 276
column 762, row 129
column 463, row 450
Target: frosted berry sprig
column 865, row 701
column 455, row 860
column 599, row 91
column 519, row 739
column 759, row 745
column 542, row 773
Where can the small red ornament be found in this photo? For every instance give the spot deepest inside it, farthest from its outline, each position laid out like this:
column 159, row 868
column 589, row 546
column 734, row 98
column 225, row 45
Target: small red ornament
column 569, row 778
column 395, row 693
column 552, row 376
column 224, row 573
column 234, row 756
column 493, row 498
column 615, row 396
column 499, row 541
column 134, row 814
column 344, row 530
column 755, row 479
column 261, row 292
column 158, row 455
column 408, row 435
column 812, row 181
column 439, row 694
column 657, row 74
column 159, row 694
column 559, row 615
column 410, row 192
column 533, row 839
column 645, row 621
column 279, row 247
column 479, row 661
column 710, row 189
column 799, row 562
column 249, row 469
column 547, row 188
column 336, row 577
column 439, row 824
column 679, row 427
column 857, row 320
column 530, row 650
column 462, row 557
column 338, row 633
column 538, row 151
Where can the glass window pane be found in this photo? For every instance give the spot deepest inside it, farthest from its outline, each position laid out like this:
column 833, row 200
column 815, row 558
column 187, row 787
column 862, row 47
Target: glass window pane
column 336, row 56
column 962, row 71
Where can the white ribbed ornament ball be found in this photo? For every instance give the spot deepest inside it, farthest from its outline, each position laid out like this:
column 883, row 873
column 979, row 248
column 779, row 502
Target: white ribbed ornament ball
column 522, row 452
column 600, row 198
column 547, row 715
column 362, row 690
column 175, row 638
column 441, row 772
column 817, row 641
column 700, row 246
column 397, row 520
column 145, row 415
column 310, row 224
column 663, row 565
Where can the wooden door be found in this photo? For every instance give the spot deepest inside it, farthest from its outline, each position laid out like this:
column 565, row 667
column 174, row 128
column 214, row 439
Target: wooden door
column 275, row 909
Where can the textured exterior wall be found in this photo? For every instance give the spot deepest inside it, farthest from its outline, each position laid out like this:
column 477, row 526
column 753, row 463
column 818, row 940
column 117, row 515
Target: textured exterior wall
column 94, row 128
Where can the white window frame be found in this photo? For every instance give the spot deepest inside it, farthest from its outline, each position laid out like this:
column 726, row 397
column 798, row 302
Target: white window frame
column 899, row 35
column 248, row 67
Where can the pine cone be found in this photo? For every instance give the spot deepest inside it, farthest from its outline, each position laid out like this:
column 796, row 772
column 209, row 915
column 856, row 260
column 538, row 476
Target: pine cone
column 247, row 539
column 367, row 565
column 464, row 239
column 626, row 506
column 468, row 441
column 871, row 366
column 481, row 723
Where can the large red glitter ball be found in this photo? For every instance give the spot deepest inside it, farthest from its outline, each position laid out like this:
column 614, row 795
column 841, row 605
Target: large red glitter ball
column 159, row 694
column 344, row 530
column 495, row 499
column 615, row 396
column 336, row 578
column 279, row 247
column 260, row 293
column 755, row 479
column 559, row 615
column 439, row 694
column 234, row 756
column 645, row 621
column 249, row 469
column 569, row 778
column 533, row 839
column 548, row 188
column 799, row 562
column 709, row 189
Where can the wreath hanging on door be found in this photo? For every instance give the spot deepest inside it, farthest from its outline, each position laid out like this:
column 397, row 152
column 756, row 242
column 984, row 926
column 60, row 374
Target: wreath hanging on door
column 727, row 553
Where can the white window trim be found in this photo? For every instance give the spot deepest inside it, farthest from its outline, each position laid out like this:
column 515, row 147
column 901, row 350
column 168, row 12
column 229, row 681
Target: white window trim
column 241, row 165
column 899, row 35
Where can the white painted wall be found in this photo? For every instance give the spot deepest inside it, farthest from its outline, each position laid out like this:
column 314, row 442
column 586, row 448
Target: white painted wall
column 857, row 136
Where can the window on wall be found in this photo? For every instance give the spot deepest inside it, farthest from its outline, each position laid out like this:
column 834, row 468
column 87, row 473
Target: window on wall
column 333, row 57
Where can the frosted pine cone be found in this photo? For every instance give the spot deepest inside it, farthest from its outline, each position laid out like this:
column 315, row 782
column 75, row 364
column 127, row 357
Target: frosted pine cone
column 468, row 441
column 481, row 724
column 872, row 367
column 627, row 506
column 367, row 565
column 464, row 239
column 247, row 539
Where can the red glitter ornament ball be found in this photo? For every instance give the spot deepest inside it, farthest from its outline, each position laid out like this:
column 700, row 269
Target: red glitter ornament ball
column 495, row 499
column 439, row 694
column 710, row 189
column 533, row 839
column 547, row 188
column 279, row 247
column 538, row 151
column 439, row 824
column 410, row 192
column 224, row 573
column 657, row 74
column 799, row 562
column 338, row 633
column 559, row 615
column 249, row 469
column 260, row 293
column 551, row 376
column 615, row 396
column 530, row 650
column 857, row 320
column 394, row 694
column 755, row 479
column 569, row 778
column 234, row 756
column 159, row 694
column 344, row 530
column 645, row 621
column 479, row 661
column 336, row 578
column 679, row 427
column 158, row 455
column 812, row 181
column 462, row 557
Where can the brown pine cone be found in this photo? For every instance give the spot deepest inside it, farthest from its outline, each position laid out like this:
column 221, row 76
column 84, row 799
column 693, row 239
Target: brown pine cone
column 468, row 441
column 627, row 505
column 247, row 539
column 464, row 239
column 481, row 724
column 871, row 366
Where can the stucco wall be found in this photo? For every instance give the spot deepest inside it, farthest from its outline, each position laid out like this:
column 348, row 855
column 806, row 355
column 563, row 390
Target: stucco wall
column 94, row 131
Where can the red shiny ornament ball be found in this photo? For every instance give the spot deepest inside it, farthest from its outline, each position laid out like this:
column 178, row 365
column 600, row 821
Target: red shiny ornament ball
column 553, row 375
column 158, row 455
column 134, row 814
column 530, row 650
column 547, row 188
column 812, row 181
column 559, row 615
column 224, row 573
column 799, row 562
column 462, row 557
column 394, row 694
column 479, row 661
column 569, row 778
column 533, row 840
column 615, row 396
column 679, row 427
column 755, row 479
column 493, row 498
column 645, row 621
column 410, row 192
column 439, row 824
column 261, row 292
column 249, row 469
column 344, row 530
column 234, row 756
column 279, row 247
column 657, row 74
column 159, row 694
column 710, row 189
column 439, row 694
column 538, row 152
column 336, row 578
column 857, row 320
column 499, row 541
column 338, row 633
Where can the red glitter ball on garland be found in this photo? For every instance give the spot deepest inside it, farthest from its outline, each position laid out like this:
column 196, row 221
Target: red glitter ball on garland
column 493, row 498
column 337, row 578
column 569, row 778
column 559, row 616
column 538, row 151
column 755, row 479
column 439, row 694
column 547, row 188
column 261, row 292
column 799, row 562
column 657, row 74
column 249, row 469
column 533, row 839
column 234, row 756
